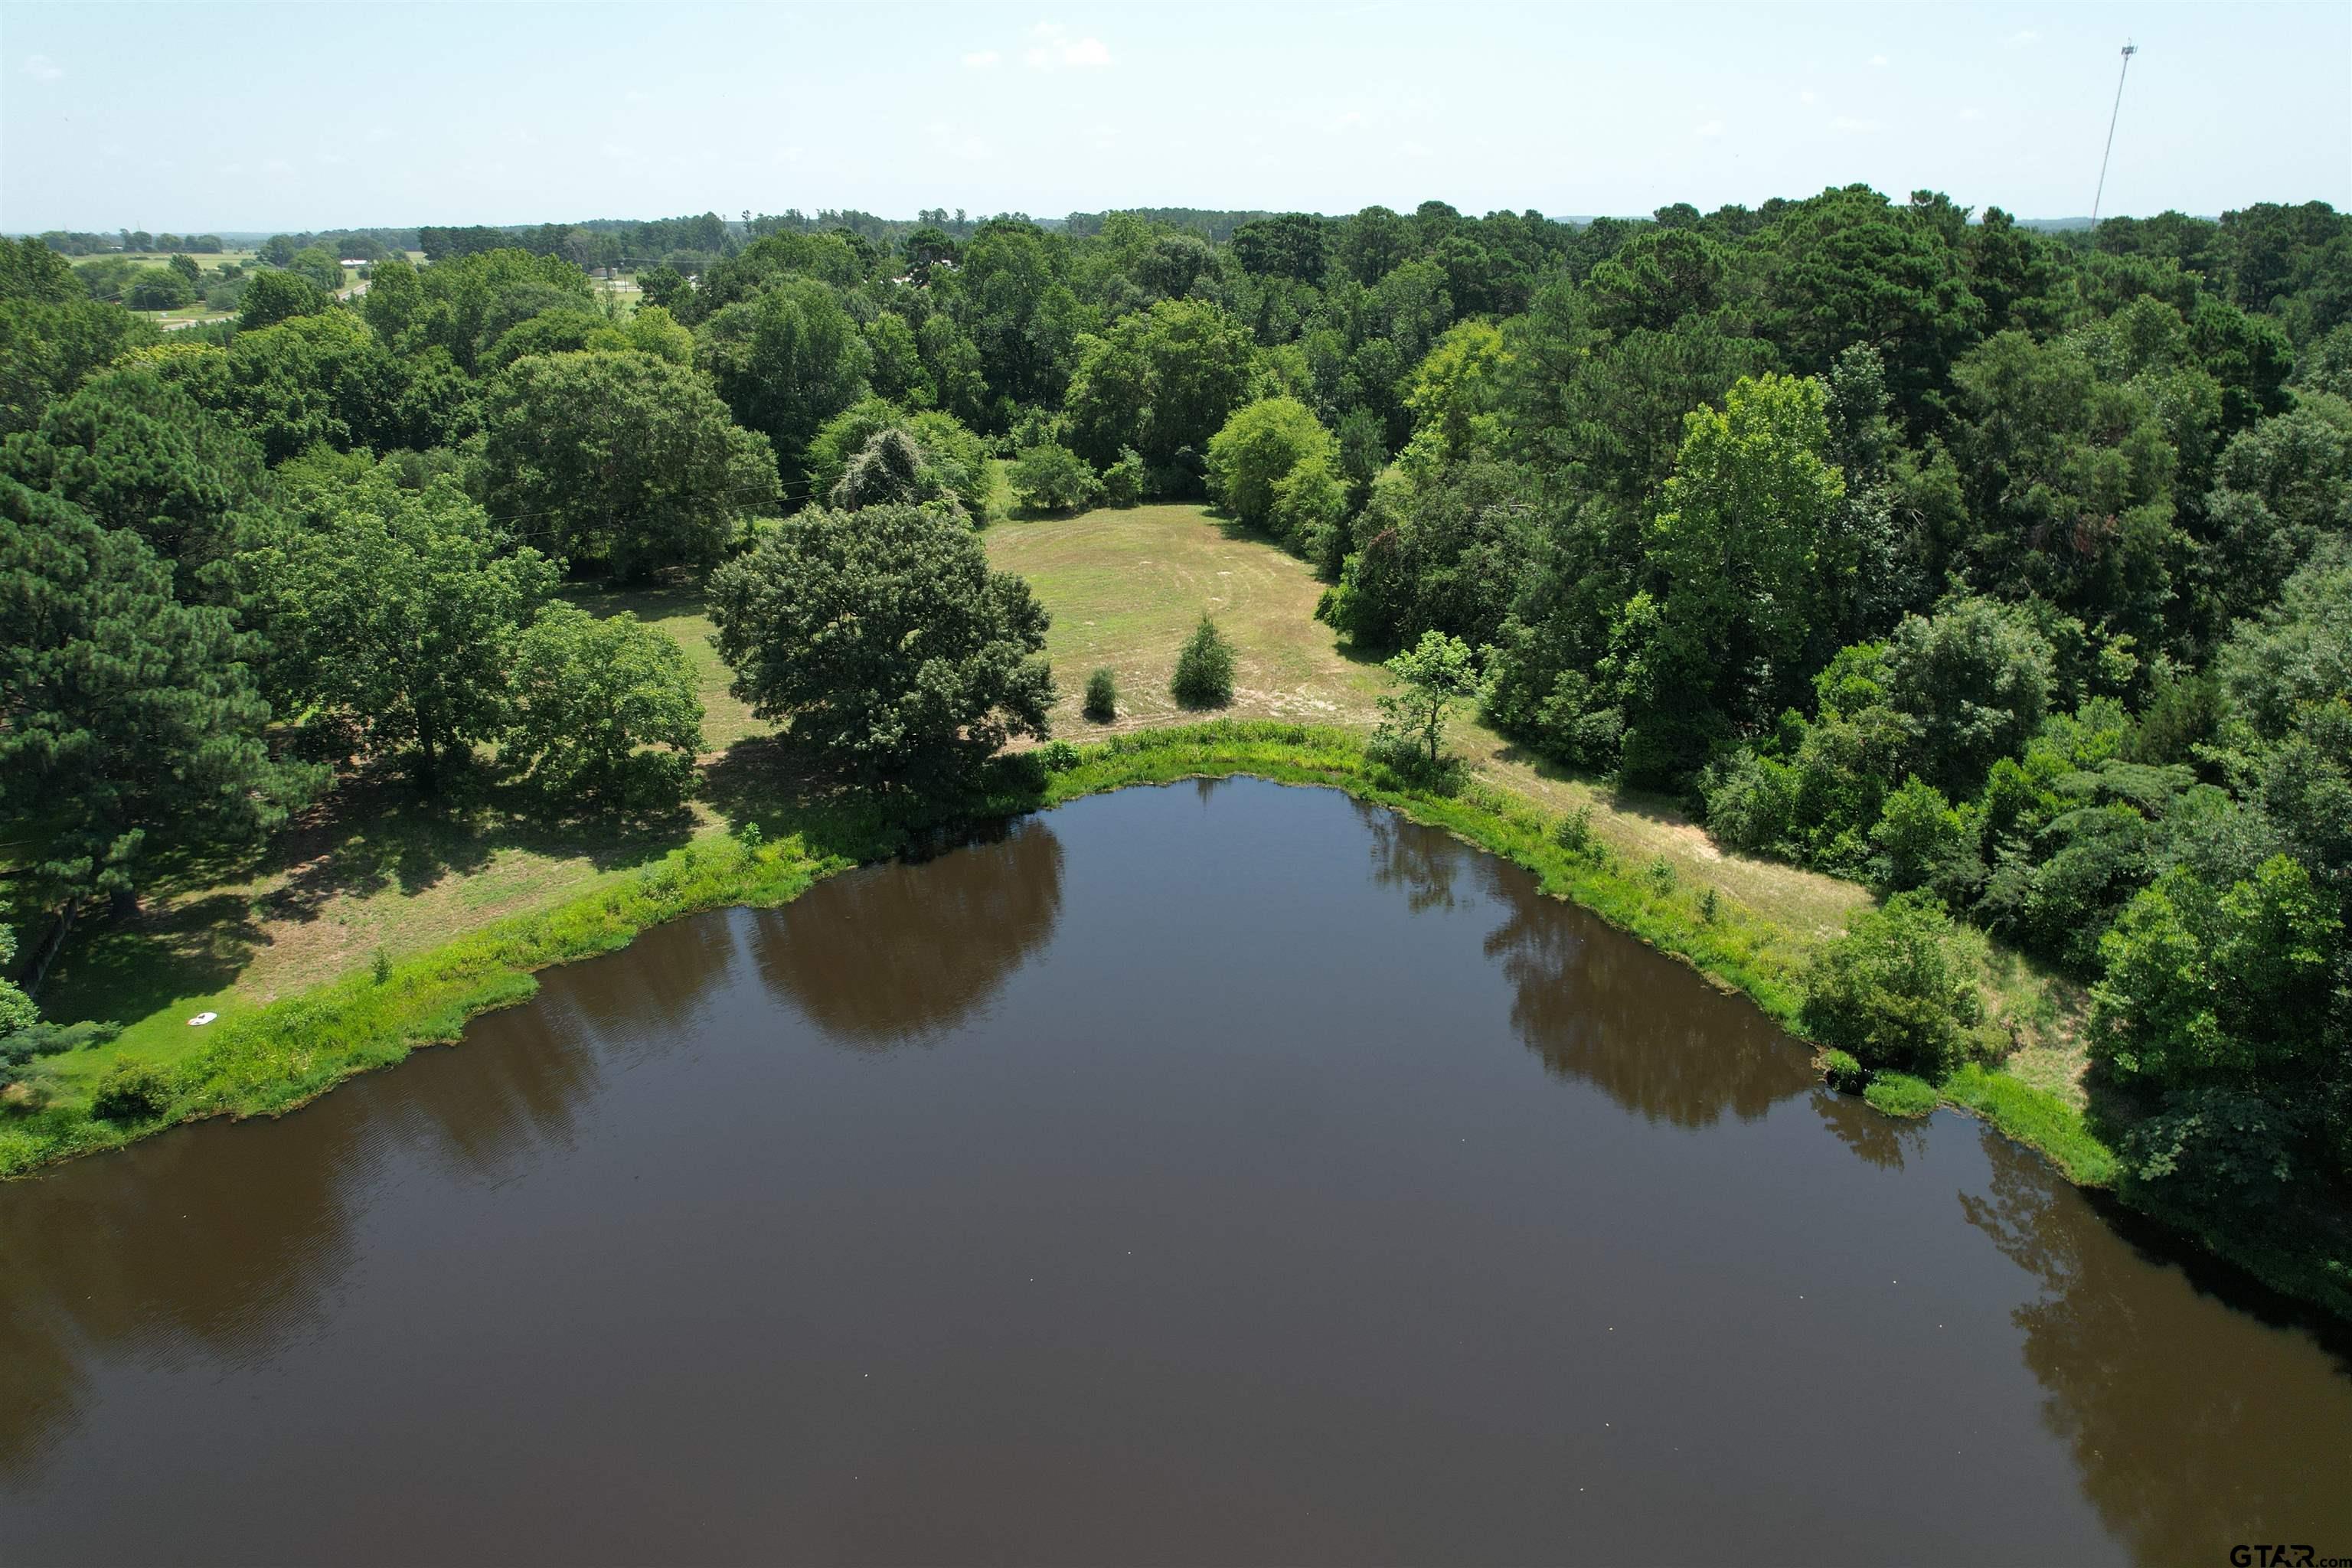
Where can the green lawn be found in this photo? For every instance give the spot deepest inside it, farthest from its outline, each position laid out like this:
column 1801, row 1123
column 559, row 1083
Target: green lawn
column 1126, row 587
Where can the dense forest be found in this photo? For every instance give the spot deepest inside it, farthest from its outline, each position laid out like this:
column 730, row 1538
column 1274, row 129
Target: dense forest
column 2005, row 570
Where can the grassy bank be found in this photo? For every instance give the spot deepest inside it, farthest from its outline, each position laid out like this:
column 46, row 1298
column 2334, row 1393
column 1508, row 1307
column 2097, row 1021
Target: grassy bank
column 292, row 1051
column 287, row 1052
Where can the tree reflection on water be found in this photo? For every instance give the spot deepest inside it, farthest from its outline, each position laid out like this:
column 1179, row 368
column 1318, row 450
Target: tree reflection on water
column 907, row 953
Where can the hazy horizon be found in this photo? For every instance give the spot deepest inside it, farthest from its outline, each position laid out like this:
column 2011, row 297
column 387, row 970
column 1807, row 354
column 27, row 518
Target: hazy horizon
column 156, row 118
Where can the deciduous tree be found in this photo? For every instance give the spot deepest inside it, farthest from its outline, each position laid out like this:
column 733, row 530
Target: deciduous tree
column 620, row 458
column 884, row 643
column 604, row 707
column 401, row 610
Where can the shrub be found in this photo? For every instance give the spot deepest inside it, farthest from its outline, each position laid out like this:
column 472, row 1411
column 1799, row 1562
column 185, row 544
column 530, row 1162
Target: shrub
column 1102, row 697
column 1709, row 906
column 22, row 1046
column 1052, row 478
column 1845, row 1074
column 42, row 1037
column 1897, row 990
column 1661, row 872
column 1407, row 764
column 1204, row 670
column 381, row 967
column 18, row 1012
column 1900, row 1094
column 1918, row 838
column 950, row 458
column 1310, row 504
column 1750, row 800
column 130, row 1091
column 1573, row 832
column 1059, row 756
column 1123, row 480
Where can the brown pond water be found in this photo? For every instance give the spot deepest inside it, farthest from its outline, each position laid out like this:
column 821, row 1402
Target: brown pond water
column 1213, row 1173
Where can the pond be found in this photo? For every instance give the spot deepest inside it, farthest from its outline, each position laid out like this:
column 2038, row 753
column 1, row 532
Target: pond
column 1213, row 1172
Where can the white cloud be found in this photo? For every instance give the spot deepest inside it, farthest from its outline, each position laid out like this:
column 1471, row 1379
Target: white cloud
column 1711, row 128
column 791, row 154
column 1416, row 149
column 277, row 166
column 379, row 133
column 40, row 68
column 1972, row 112
column 635, row 95
column 1853, row 127
column 1879, row 59
column 982, row 59
column 1809, row 96
column 1055, row 48
column 2018, row 41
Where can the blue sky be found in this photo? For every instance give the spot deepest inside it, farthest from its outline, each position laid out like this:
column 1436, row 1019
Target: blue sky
column 196, row 117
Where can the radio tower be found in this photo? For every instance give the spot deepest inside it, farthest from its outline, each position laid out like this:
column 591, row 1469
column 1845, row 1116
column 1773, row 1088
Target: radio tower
column 2129, row 50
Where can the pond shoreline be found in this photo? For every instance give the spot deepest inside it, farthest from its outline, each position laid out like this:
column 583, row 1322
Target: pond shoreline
column 287, row 1053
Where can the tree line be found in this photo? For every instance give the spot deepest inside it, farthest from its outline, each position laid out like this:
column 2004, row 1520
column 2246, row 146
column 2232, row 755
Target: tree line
column 2004, row 569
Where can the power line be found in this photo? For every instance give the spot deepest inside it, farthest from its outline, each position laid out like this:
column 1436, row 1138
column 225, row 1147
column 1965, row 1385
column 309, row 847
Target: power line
column 2130, row 50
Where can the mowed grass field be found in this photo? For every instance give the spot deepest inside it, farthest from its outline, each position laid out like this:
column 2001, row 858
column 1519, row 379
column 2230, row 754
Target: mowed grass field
column 372, row 869
column 1126, row 588
column 212, row 262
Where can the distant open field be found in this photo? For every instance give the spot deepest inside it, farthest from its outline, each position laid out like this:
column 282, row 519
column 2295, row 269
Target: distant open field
column 212, row 263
